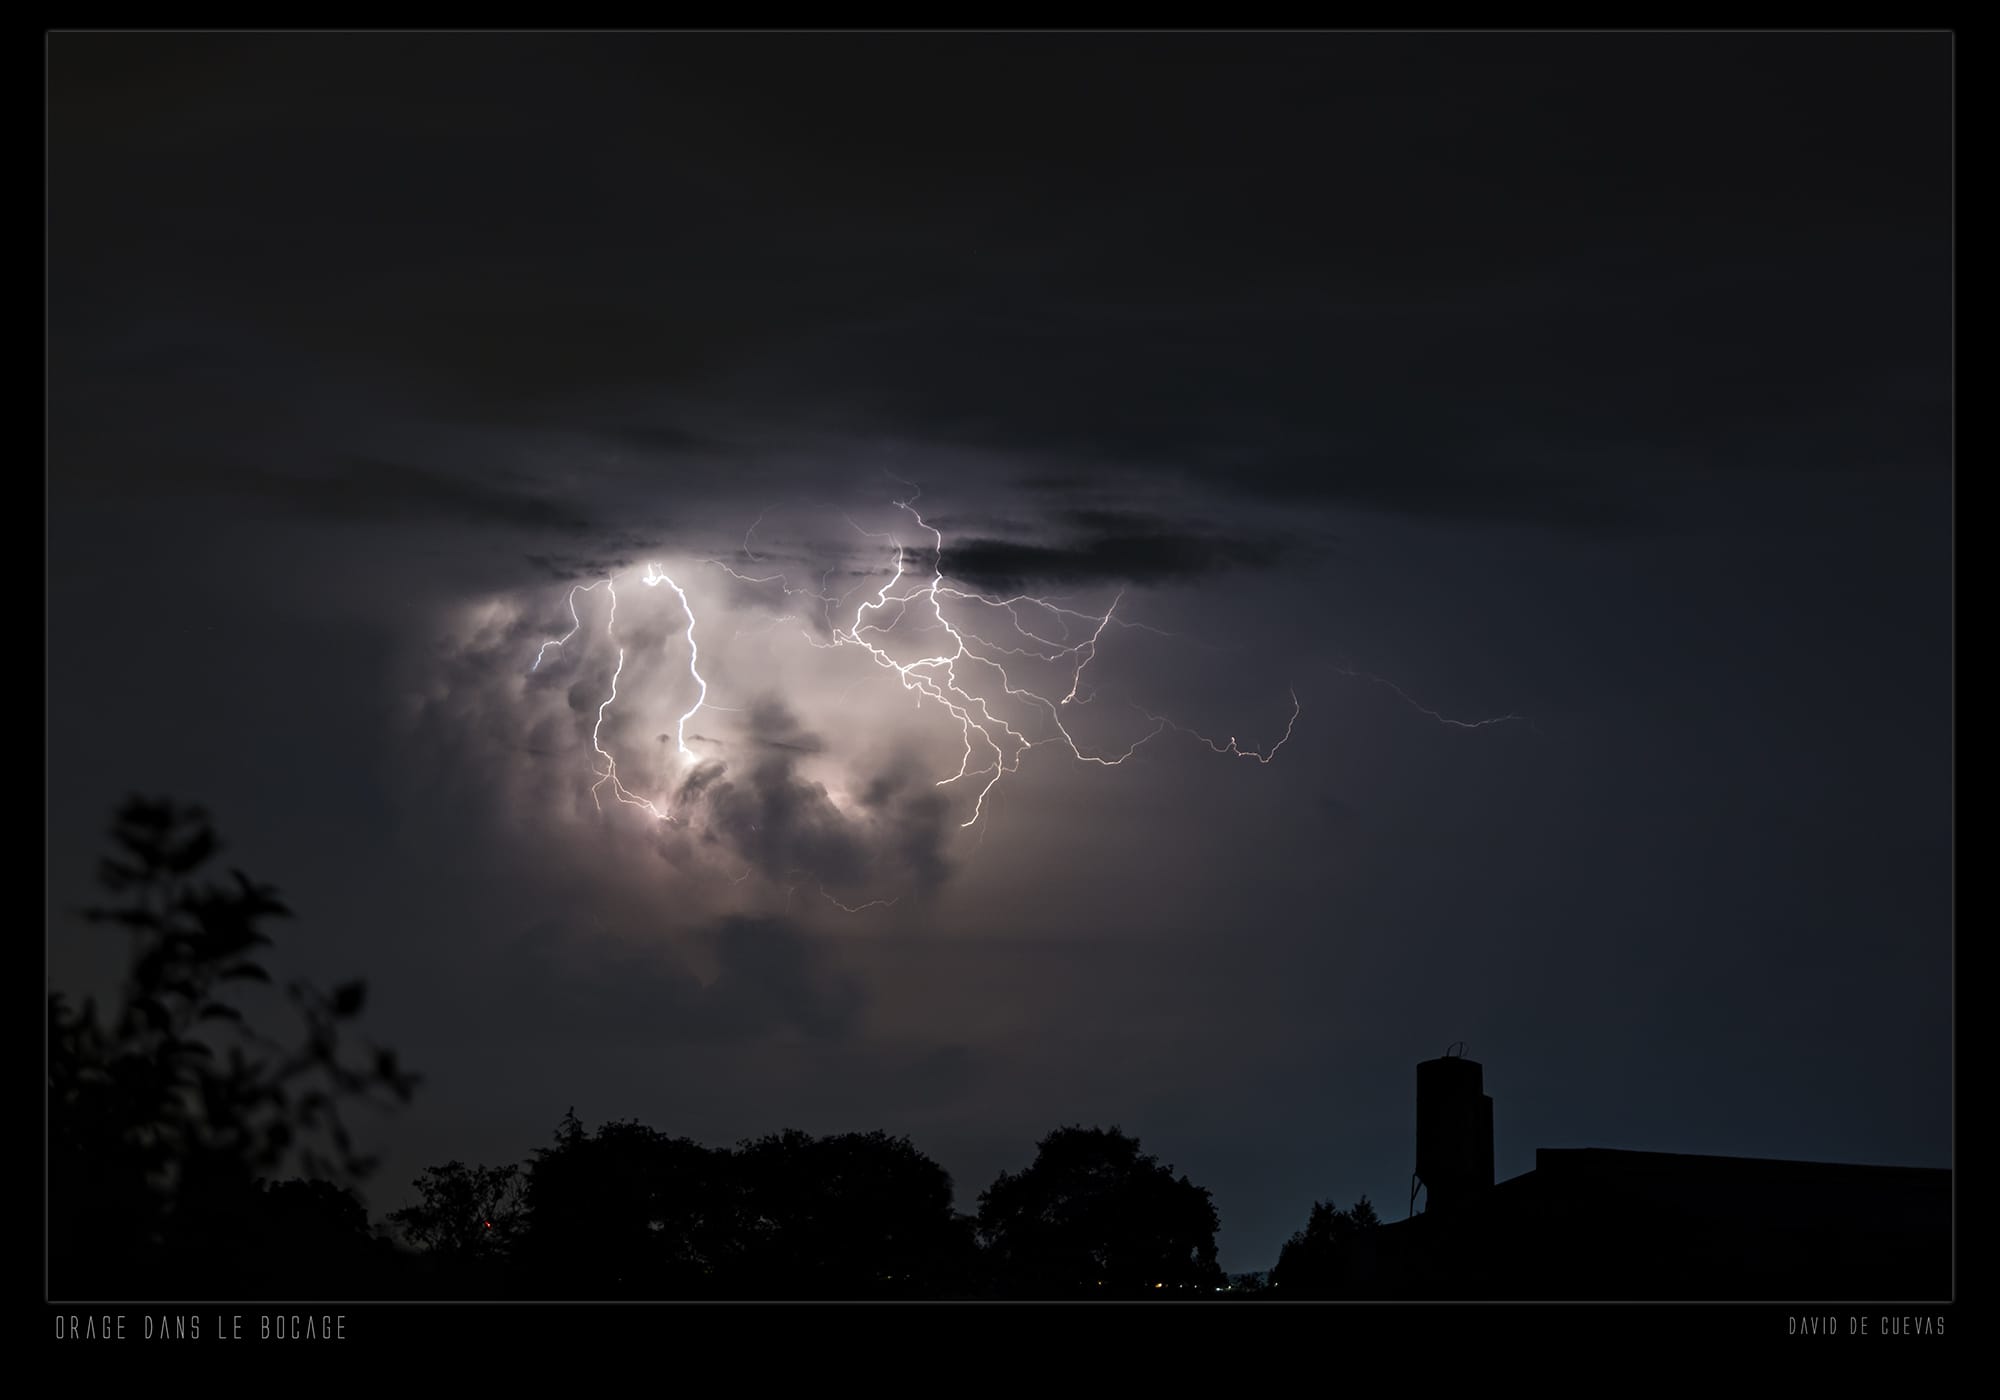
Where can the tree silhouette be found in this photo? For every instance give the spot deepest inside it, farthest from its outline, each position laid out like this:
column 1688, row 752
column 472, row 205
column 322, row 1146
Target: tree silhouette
column 629, row 1213
column 470, row 1213
column 170, row 1114
column 854, row 1215
column 313, row 1240
column 165, row 1116
column 1313, row 1261
column 1093, row 1216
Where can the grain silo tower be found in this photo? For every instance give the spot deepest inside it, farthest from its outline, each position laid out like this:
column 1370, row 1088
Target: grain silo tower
column 1454, row 1131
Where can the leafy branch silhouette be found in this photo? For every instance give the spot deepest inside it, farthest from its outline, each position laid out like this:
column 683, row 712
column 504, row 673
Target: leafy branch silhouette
column 163, row 1114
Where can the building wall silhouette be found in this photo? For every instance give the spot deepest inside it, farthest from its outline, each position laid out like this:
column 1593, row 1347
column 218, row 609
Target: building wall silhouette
column 1598, row 1224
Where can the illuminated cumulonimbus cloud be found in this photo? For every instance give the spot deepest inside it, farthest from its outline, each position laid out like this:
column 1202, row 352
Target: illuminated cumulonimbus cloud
column 1009, row 673
column 974, row 674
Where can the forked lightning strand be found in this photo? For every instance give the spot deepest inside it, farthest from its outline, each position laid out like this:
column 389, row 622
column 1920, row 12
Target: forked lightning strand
column 652, row 579
column 949, row 677
column 966, row 679
column 608, row 773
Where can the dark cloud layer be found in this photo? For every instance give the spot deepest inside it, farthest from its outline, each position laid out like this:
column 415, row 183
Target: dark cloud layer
column 1444, row 275
column 365, row 490
column 771, row 978
column 1116, row 553
column 788, row 827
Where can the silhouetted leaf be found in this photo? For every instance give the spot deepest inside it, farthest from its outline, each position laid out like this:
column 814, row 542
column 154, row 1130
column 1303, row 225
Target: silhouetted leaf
column 193, row 852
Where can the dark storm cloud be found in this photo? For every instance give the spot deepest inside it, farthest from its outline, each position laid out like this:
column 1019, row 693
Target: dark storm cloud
column 773, row 974
column 364, row 489
column 914, row 823
column 568, row 568
column 771, row 978
column 1372, row 271
column 1157, row 555
column 667, row 439
column 775, row 727
column 615, row 551
column 790, row 829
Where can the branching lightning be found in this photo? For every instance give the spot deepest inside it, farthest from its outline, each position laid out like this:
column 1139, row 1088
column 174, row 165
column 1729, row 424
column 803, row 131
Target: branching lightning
column 967, row 677
column 652, row 579
column 575, row 621
column 608, row 773
column 997, row 743
column 1424, row 709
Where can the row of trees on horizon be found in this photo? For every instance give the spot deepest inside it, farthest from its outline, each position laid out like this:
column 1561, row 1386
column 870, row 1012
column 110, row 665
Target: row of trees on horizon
column 171, row 1121
column 631, row 1212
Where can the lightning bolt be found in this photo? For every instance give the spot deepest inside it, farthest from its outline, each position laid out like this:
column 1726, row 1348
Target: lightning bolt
column 652, row 579
column 575, row 621
column 938, row 677
column 1423, row 709
column 842, row 905
column 966, row 677
column 608, row 773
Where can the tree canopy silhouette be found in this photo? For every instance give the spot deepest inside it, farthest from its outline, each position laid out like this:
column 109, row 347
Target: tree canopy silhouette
column 170, row 1114
column 166, row 1114
column 1093, row 1216
column 1312, row 1262
column 853, row 1215
column 466, row 1221
column 630, row 1212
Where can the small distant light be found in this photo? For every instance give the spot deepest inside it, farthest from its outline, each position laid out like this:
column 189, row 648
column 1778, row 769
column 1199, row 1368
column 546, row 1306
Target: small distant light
column 1159, row 1285
column 489, row 1224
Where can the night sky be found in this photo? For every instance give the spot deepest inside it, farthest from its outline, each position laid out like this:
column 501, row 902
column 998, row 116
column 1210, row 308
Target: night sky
column 1594, row 385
